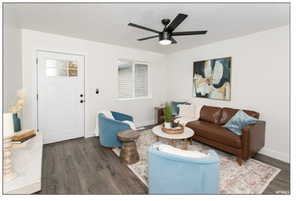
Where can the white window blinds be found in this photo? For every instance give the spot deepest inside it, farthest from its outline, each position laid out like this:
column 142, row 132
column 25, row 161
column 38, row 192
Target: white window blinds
column 141, row 80
column 133, row 79
column 125, row 80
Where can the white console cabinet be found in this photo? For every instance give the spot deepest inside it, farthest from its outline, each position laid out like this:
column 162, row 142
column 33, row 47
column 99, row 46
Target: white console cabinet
column 27, row 163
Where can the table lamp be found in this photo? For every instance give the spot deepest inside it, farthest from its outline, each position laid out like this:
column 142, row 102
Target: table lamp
column 8, row 132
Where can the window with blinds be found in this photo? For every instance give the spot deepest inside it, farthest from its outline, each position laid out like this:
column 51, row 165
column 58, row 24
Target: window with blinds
column 133, row 79
column 125, row 79
column 141, row 80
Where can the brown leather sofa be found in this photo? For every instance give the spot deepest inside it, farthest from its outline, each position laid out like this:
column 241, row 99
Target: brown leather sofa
column 208, row 130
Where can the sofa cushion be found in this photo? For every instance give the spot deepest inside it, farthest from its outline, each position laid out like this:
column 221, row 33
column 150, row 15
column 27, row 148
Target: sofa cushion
column 227, row 113
column 210, row 114
column 216, row 133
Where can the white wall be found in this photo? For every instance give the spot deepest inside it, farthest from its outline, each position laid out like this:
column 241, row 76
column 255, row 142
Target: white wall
column 260, row 80
column 100, row 72
column 12, row 58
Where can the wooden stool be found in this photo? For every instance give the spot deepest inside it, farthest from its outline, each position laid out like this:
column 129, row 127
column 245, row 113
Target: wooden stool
column 129, row 152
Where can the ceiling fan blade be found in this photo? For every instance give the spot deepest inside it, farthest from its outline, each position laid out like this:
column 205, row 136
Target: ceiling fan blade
column 173, row 40
column 185, row 33
column 142, row 27
column 177, row 21
column 147, row 38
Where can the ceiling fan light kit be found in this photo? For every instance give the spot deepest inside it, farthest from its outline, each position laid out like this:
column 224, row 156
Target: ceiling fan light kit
column 164, row 38
column 166, row 35
column 165, row 42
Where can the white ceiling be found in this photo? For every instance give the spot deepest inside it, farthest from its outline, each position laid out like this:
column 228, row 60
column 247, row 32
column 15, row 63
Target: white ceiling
column 108, row 22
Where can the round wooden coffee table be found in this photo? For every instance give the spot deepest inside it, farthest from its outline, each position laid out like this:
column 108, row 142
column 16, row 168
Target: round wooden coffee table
column 187, row 134
column 129, row 152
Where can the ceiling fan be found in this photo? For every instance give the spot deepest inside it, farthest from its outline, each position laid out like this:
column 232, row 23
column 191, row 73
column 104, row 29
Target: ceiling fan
column 166, row 35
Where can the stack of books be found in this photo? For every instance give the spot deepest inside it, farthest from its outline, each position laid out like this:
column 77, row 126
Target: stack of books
column 23, row 136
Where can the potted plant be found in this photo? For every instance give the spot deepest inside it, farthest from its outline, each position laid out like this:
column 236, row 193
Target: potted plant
column 167, row 115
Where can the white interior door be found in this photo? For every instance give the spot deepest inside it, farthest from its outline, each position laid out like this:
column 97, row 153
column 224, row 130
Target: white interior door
column 60, row 96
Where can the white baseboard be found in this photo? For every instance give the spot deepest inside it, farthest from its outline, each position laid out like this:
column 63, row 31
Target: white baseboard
column 275, row 154
column 146, row 123
column 91, row 134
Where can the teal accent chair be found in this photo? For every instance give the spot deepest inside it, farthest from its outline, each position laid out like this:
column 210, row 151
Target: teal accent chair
column 173, row 174
column 109, row 128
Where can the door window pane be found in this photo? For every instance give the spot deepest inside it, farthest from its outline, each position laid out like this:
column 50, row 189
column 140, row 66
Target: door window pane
column 72, row 69
column 56, row 67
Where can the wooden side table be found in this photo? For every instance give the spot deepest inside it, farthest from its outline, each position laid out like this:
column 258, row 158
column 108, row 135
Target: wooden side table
column 159, row 112
column 129, row 152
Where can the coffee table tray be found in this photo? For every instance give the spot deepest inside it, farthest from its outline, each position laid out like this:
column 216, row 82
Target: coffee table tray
column 173, row 131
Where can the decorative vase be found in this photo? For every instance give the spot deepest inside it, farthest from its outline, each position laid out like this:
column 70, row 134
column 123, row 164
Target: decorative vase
column 17, row 122
column 167, row 124
column 174, row 124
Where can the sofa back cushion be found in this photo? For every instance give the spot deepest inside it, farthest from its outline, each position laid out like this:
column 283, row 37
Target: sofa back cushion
column 210, row 114
column 227, row 113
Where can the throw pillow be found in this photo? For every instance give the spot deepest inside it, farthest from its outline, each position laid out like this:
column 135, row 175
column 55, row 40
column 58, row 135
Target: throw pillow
column 107, row 114
column 238, row 121
column 187, row 111
column 197, row 111
column 174, row 107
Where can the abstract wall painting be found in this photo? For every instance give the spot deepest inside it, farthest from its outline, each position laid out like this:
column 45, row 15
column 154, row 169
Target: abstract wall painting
column 212, row 79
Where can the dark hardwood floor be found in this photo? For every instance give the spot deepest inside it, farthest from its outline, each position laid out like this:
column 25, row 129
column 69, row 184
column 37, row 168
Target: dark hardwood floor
column 82, row 166
column 281, row 183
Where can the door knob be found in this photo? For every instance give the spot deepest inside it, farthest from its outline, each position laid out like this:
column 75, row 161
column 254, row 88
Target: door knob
column 81, row 101
column 81, row 95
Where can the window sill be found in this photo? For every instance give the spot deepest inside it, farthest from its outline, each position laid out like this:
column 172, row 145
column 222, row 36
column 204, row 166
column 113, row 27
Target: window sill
column 137, row 98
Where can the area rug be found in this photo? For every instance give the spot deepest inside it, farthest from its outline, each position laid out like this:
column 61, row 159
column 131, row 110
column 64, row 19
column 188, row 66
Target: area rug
column 252, row 177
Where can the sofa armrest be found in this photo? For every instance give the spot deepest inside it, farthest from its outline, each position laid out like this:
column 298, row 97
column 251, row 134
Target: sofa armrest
column 253, row 138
